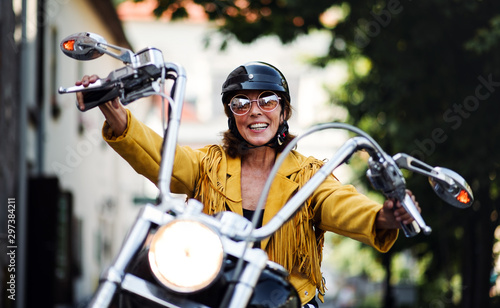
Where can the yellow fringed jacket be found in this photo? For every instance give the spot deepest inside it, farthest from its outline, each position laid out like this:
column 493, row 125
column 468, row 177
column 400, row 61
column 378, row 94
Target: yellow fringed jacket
column 212, row 177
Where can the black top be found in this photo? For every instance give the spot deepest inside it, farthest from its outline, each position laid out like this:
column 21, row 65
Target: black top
column 248, row 214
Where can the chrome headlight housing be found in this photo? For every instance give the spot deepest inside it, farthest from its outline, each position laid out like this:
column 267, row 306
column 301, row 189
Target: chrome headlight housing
column 186, row 256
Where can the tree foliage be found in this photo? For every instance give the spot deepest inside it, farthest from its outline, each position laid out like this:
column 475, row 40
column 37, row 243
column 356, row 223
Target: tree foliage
column 431, row 89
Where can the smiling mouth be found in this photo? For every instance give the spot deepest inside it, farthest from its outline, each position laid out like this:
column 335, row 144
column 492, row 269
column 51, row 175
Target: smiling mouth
column 258, row 126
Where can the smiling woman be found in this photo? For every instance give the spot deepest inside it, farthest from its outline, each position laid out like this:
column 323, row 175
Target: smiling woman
column 257, row 126
column 231, row 176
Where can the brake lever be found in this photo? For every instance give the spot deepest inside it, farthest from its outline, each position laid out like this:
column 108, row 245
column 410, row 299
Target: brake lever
column 93, row 86
column 418, row 223
column 385, row 176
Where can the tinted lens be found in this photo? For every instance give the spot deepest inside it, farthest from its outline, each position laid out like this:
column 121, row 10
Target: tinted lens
column 240, row 104
column 268, row 101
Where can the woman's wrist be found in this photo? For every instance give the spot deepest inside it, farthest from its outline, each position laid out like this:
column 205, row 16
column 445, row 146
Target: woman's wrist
column 116, row 116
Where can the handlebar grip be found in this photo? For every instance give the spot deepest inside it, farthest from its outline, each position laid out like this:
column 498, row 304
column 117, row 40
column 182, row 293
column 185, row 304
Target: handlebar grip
column 95, row 98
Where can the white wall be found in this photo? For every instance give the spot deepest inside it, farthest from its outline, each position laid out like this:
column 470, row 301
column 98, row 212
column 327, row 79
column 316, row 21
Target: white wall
column 102, row 184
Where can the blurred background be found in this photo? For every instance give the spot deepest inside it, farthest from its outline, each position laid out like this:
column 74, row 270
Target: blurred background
column 421, row 78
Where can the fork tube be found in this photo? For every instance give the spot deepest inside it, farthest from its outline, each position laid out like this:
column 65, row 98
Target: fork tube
column 174, row 118
column 243, row 290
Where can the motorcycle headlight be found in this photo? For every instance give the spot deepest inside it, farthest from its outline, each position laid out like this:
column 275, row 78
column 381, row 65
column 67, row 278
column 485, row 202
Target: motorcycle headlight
column 186, row 255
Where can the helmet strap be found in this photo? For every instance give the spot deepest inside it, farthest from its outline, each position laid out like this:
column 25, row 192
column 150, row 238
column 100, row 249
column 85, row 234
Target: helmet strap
column 282, row 132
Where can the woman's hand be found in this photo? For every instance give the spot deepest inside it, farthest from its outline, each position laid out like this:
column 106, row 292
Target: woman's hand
column 393, row 213
column 113, row 111
column 86, row 81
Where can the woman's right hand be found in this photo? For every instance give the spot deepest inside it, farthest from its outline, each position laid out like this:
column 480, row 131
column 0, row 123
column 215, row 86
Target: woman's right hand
column 85, row 81
column 113, row 111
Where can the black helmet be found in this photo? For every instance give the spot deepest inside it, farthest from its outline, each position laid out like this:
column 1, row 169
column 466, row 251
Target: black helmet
column 255, row 76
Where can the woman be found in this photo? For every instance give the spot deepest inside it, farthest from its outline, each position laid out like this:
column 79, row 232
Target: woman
column 231, row 176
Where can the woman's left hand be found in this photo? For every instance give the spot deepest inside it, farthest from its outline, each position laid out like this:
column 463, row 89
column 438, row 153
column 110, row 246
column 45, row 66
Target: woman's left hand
column 393, row 213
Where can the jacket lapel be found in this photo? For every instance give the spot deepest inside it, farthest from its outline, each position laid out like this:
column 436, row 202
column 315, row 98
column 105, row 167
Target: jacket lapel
column 281, row 190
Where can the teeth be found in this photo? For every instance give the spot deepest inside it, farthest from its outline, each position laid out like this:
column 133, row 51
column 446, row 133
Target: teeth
column 259, row 126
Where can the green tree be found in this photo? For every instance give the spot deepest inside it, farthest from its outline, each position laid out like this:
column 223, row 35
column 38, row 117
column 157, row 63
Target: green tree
column 429, row 87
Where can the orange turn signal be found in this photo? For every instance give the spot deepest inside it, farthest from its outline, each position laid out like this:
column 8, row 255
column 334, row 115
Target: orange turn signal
column 69, row 45
column 463, row 197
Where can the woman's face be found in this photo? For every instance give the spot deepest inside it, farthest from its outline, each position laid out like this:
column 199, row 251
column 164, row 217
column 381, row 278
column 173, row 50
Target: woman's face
column 256, row 126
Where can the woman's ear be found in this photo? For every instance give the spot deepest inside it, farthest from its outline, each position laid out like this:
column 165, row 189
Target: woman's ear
column 283, row 114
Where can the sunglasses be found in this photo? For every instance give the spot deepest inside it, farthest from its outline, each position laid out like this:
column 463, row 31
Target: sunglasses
column 267, row 101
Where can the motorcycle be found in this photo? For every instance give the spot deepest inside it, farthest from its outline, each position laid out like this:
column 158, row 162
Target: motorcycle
column 176, row 256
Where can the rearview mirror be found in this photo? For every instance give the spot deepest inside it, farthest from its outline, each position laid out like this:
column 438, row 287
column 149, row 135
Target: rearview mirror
column 83, row 46
column 451, row 187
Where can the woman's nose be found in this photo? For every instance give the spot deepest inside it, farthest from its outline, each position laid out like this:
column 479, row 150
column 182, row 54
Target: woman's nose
column 254, row 107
